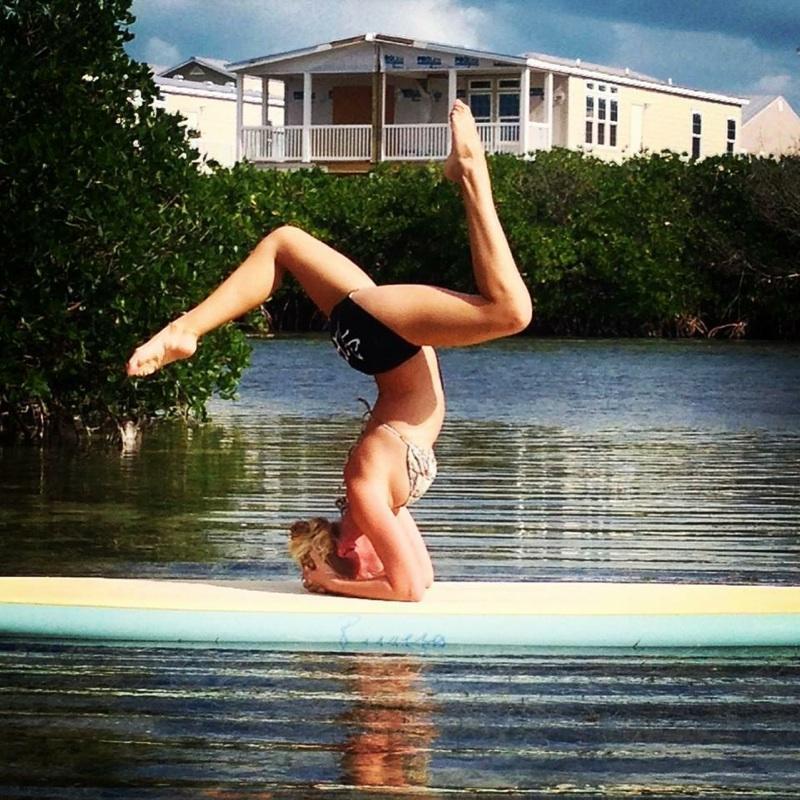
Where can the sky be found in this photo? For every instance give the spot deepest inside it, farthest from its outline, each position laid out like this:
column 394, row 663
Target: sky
column 738, row 47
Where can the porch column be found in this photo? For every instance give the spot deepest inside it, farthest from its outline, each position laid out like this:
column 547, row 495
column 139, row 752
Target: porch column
column 525, row 112
column 239, row 115
column 377, row 112
column 548, row 105
column 452, row 94
column 452, row 87
column 265, row 101
column 306, row 156
column 382, row 136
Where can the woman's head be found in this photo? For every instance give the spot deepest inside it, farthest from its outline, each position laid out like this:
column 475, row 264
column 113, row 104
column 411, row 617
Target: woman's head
column 312, row 537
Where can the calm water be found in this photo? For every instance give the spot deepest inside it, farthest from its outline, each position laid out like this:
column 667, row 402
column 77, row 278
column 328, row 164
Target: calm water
column 560, row 460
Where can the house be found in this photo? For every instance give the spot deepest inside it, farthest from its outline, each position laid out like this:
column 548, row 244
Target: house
column 354, row 102
column 203, row 91
column 770, row 126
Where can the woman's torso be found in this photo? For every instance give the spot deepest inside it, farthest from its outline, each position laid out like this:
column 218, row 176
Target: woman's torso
column 405, row 423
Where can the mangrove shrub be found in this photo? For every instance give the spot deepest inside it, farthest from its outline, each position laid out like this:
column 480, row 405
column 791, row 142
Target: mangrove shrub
column 102, row 209
column 110, row 229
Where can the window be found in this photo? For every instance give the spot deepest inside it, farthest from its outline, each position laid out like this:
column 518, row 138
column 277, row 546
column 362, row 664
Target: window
column 508, row 105
column 731, row 147
column 508, row 112
column 602, row 114
column 697, row 131
column 480, row 100
column 497, row 100
column 481, row 106
column 508, row 100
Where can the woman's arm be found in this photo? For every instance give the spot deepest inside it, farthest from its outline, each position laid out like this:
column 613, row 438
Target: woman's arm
column 325, row 579
column 420, row 549
column 403, row 578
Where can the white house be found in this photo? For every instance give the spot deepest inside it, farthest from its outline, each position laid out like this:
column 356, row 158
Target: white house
column 204, row 92
column 770, row 126
column 354, row 102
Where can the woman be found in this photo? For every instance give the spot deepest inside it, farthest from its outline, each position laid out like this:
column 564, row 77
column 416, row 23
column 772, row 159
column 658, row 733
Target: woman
column 389, row 332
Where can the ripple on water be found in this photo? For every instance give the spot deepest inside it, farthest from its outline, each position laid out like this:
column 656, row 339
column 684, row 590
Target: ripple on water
column 560, row 460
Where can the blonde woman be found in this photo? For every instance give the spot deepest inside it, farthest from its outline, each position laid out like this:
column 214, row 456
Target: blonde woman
column 375, row 550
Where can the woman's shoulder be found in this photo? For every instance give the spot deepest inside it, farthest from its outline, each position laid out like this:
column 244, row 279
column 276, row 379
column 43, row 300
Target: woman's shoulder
column 370, row 458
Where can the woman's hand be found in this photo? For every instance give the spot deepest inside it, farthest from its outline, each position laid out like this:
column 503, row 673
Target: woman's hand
column 317, row 576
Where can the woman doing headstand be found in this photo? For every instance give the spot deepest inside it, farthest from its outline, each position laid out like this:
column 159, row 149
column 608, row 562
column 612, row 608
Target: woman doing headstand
column 376, row 550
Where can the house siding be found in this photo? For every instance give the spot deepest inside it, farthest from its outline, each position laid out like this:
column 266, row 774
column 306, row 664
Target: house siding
column 215, row 119
column 417, row 77
column 666, row 121
column 773, row 131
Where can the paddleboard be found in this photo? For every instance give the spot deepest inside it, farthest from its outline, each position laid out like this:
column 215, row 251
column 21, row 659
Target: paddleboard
column 479, row 614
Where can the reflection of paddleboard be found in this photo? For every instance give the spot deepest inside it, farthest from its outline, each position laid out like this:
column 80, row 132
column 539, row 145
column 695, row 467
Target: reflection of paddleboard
column 466, row 614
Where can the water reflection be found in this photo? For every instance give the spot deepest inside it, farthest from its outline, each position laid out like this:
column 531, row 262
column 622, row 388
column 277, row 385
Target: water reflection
column 390, row 728
column 92, row 511
column 560, row 460
column 80, row 721
column 515, row 500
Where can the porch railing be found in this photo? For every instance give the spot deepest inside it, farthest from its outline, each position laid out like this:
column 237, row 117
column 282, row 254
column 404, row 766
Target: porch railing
column 341, row 142
column 539, row 136
column 419, row 142
column 273, row 143
column 406, row 142
column 505, row 137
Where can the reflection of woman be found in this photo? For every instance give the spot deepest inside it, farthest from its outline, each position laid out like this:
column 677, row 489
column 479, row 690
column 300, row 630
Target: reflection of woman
column 390, row 729
column 388, row 332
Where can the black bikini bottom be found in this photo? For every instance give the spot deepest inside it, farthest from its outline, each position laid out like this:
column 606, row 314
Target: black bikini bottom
column 364, row 342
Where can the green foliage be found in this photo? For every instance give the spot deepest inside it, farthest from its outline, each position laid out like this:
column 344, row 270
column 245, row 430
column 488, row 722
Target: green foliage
column 656, row 245
column 110, row 229
column 103, row 216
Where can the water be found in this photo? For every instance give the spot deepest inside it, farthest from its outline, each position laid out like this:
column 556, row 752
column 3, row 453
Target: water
column 560, row 460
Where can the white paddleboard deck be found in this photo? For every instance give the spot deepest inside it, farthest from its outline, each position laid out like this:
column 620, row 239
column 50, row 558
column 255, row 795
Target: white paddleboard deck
column 451, row 614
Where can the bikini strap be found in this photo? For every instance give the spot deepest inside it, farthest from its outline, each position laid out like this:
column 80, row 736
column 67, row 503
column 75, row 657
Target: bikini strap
column 396, row 433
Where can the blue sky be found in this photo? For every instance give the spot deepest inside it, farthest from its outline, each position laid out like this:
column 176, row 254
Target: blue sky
column 732, row 46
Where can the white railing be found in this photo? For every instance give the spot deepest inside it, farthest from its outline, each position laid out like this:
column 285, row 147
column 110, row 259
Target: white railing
column 419, row 142
column 412, row 142
column 273, row 143
column 341, row 142
column 538, row 138
column 500, row 137
column 328, row 142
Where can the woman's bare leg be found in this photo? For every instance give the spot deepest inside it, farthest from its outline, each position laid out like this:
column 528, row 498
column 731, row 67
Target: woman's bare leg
column 422, row 314
column 430, row 315
column 325, row 275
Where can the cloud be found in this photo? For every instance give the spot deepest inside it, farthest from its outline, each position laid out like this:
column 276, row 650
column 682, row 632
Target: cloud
column 456, row 22
column 770, row 23
column 701, row 59
column 774, row 84
column 735, row 47
column 248, row 28
column 157, row 51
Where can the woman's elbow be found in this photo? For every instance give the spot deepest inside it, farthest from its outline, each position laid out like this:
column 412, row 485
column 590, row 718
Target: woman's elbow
column 414, row 594
column 409, row 591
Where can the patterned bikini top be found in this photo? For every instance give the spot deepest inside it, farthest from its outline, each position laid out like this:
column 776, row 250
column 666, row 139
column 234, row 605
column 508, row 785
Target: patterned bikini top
column 420, row 465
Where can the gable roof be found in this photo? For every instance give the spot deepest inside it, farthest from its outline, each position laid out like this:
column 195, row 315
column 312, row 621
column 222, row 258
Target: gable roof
column 336, row 44
column 619, row 72
column 624, row 76
column 760, row 102
column 541, row 61
column 218, row 65
column 201, row 89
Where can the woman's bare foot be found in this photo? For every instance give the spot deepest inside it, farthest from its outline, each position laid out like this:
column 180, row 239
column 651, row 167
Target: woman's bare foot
column 466, row 152
column 170, row 344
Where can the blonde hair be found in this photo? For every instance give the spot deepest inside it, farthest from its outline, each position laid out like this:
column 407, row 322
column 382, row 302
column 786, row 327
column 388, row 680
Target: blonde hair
column 312, row 537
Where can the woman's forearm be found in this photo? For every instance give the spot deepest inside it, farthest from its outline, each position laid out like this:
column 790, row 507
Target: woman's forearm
column 371, row 589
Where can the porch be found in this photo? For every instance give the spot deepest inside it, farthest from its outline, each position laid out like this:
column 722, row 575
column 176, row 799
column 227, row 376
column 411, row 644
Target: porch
column 375, row 98
column 397, row 142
